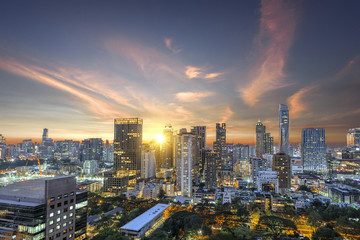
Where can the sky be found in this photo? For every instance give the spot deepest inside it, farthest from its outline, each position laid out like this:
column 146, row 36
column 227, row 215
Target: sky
column 74, row 66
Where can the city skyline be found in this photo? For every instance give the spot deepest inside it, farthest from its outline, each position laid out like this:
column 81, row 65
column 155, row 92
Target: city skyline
column 186, row 64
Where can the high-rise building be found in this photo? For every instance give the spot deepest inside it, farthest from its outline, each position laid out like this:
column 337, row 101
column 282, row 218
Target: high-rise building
column 313, row 149
column 45, row 135
column 227, row 163
column 220, row 136
column 45, row 208
column 260, row 139
column 242, row 159
column 92, row 149
column 200, row 132
column 127, row 145
column 282, row 164
column 167, row 148
column 284, row 122
column 185, row 152
column 269, row 143
column 210, row 169
column 257, row 164
column 2, row 146
column 148, row 162
column 353, row 137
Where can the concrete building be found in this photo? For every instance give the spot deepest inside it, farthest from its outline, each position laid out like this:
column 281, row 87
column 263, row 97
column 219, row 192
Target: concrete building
column 148, row 163
column 44, row 208
column 282, row 164
column 210, row 169
column 90, row 168
column 185, row 152
column 267, row 181
column 257, row 164
column 141, row 224
column 353, row 137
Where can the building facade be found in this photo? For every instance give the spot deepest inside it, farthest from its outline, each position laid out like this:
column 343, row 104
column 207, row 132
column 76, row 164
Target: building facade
column 313, row 150
column 282, row 164
column 353, row 137
column 284, row 122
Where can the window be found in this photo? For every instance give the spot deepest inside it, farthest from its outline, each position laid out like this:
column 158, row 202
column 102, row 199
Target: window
column 64, row 217
column 58, row 219
column 51, row 222
column 65, row 231
column 70, row 222
column 71, row 207
column 52, row 199
column 70, row 228
column 59, row 204
column 65, row 209
column 51, row 230
column 64, row 225
column 64, row 238
column 58, row 227
column 71, row 214
column 65, row 202
column 59, row 197
column 51, row 238
column 71, row 200
column 58, row 212
column 72, row 194
column 58, row 235
column 70, row 235
column 52, row 206
column 65, row 195
column 51, row 214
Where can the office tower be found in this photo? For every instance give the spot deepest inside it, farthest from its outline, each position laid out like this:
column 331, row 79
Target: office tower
column 2, row 146
column 108, row 152
column 200, row 132
column 210, row 169
column 353, row 137
column 220, row 136
column 92, row 149
column 269, row 143
column 185, row 153
column 45, row 135
column 46, row 208
column 127, row 145
column 282, row 164
column 90, row 168
column 313, row 149
column 28, row 146
column 227, row 162
column 257, row 164
column 242, row 158
column 67, row 149
column 284, row 122
column 148, row 162
column 167, row 148
column 260, row 139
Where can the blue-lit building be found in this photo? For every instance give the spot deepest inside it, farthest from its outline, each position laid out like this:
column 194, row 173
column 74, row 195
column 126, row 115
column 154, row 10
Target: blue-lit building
column 313, row 149
column 284, row 128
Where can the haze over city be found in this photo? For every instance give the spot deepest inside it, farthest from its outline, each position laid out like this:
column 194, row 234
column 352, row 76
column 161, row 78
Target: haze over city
column 73, row 67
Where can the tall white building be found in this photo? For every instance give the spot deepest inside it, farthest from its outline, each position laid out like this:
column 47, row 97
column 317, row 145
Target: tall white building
column 353, row 137
column 185, row 153
column 148, row 163
column 90, row 167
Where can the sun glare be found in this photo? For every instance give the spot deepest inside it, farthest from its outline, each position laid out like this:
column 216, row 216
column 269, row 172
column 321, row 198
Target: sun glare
column 160, row 138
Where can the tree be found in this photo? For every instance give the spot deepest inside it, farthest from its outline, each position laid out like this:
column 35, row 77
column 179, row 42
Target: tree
column 304, row 188
column 161, row 194
column 243, row 233
column 243, row 214
column 325, row 233
column 276, row 225
column 314, row 219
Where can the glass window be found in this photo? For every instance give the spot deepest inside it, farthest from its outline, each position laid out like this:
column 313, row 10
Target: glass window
column 59, row 197
column 52, row 199
column 51, row 230
column 51, row 222
column 58, row 235
column 70, row 228
column 52, row 206
column 51, row 214
column 65, row 209
column 71, row 200
column 64, row 217
column 58, row 219
column 65, row 195
column 59, row 204
column 64, row 225
column 58, row 227
column 71, row 207
column 58, row 212
column 65, row 202
column 72, row 194
column 70, row 222
column 71, row 214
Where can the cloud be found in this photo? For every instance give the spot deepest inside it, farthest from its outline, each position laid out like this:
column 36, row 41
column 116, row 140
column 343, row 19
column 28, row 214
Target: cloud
column 347, row 68
column 168, row 43
column 213, row 75
column 192, row 96
column 193, row 72
column 227, row 114
column 277, row 26
column 296, row 101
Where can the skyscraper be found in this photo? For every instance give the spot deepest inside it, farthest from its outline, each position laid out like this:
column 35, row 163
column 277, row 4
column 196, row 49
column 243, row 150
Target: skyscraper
column 313, row 149
column 220, row 136
column 200, row 132
column 127, row 145
column 269, row 143
column 92, row 149
column 282, row 164
column 45, row 135
column 284, row 128
column 185, row 152
column 353, row 137
column 210, row 169
column 260, row 139
column 167, row 148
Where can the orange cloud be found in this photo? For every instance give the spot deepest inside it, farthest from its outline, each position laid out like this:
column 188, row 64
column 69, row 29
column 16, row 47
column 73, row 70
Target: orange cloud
column 296, row 101
column 227, row 114
column 345, row 70
column 168, row 43
column 277, row 26
column 192, row 96
column 212, row 75
column 193, row 72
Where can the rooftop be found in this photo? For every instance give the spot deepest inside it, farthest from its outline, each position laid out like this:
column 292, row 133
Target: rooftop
column 140, row 221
